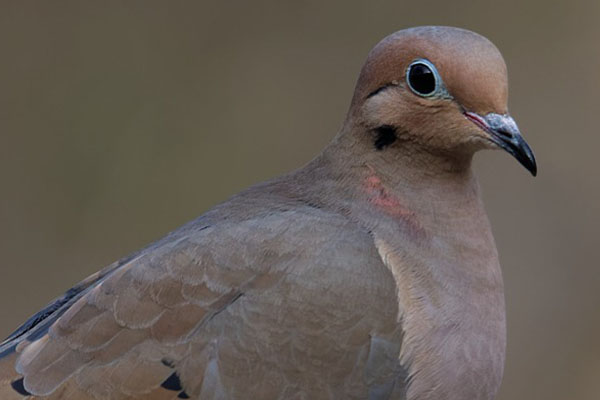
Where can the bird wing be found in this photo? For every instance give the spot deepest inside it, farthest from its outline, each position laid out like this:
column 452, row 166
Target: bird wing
column 260, row 308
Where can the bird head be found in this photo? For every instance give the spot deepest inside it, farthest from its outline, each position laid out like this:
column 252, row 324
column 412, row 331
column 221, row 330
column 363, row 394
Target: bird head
column 442, row 89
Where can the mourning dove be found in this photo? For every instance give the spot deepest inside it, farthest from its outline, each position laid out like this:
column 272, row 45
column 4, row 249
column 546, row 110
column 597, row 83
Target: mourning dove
column 370, row 273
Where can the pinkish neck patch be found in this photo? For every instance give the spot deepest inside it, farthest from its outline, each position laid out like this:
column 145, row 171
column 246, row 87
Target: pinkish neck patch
column 382, row 199
column 389, row 203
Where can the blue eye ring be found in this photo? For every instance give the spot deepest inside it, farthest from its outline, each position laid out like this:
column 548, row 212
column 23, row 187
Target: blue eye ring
column 437, row 90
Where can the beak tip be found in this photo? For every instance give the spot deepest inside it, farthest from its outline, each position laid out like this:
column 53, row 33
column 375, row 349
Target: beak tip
column 533, row 171
column 531, row 163
column 525, row 158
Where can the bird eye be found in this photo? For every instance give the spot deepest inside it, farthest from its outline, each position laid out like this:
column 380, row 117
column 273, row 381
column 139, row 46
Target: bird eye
column 422, row 78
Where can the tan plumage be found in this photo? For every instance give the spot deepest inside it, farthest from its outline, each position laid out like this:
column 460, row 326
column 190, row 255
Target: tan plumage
column 369, row 273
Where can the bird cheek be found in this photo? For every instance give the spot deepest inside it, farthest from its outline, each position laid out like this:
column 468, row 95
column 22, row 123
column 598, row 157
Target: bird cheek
column 463, row 130
column 381, row 112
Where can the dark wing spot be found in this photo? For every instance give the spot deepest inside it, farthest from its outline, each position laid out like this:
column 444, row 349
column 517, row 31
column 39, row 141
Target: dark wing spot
column 385, row 135
column 19, row 387
column 172, row 382
column 167, row 363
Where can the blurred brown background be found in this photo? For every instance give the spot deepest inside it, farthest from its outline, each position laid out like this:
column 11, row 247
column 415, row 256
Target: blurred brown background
column 120, row 121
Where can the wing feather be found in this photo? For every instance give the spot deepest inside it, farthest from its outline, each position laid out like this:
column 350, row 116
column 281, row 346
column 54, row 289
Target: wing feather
column 220, row 310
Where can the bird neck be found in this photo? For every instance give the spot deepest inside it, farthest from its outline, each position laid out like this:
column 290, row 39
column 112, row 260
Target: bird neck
column 424, row 211
column 428, row 223
column 407, row 169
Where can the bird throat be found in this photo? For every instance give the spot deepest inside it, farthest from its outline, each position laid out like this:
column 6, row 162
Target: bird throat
column 389, row 203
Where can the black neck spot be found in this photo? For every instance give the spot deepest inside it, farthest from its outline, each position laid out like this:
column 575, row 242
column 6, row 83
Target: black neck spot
column 385, row 135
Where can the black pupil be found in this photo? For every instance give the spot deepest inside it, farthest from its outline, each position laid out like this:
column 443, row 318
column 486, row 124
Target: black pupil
column 421, row 79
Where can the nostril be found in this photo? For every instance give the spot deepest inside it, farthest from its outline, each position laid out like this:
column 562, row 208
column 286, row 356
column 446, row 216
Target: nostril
column 504, row 133
column 502, row 126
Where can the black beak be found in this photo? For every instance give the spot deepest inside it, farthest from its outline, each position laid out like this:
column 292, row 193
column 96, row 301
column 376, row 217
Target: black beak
column 504, row 132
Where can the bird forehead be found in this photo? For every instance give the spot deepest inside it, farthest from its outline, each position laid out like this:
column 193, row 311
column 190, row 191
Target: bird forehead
column 471, row 66
column 474, row 72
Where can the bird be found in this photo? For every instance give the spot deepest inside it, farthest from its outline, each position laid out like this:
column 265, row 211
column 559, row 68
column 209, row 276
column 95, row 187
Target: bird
column 369, row 273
